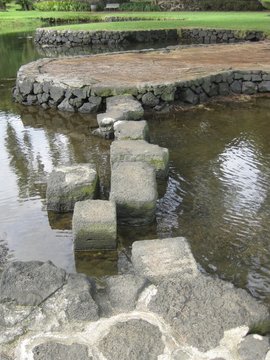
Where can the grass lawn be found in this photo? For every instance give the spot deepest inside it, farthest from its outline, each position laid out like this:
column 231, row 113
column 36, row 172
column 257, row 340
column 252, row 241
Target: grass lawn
column 167, row 20
column 21, row 21
column 15, row 20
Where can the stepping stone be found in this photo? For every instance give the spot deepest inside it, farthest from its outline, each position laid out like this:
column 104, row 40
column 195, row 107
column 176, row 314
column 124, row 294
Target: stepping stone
column 126, row 106
column 142, row 151
column 158, row 259
column 131, row 130
column 94, row 225
column 134, row 189
column 121, row 107
column 68, row 184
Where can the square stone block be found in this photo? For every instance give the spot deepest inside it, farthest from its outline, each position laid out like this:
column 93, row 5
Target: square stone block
column 131, row 130
column 163, row 258
column 94, row 225
column 68, row 184
column 134, row 189
column 142, row 151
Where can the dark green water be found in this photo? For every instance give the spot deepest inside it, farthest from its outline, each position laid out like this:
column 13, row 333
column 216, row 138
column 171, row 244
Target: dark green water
column 217, row 195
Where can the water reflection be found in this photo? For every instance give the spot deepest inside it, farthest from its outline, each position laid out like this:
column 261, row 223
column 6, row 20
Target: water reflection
column 217, row 194
column 221, row 162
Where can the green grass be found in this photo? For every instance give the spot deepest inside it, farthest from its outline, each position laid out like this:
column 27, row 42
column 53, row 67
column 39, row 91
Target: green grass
column 222, row 20
column 15, row 20
column 21, row 21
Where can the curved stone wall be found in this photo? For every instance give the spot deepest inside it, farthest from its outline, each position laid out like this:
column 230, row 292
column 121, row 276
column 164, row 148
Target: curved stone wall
column 35, row 91
column 95, row 38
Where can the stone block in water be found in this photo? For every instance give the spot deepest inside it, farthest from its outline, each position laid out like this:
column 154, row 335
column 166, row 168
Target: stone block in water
column 160, row 258
column 126, row 106
column 134, row 189
column 131, row 130
column 68, row 184
column 94, row 225
column 142, row 151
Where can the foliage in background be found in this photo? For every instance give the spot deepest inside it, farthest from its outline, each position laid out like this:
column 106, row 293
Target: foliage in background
column 139, row 6
column 66, row 5
column 266, row 4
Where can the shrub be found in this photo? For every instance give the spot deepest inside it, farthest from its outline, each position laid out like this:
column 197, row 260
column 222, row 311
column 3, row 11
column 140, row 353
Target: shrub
column 139, row 6
column 66, row 5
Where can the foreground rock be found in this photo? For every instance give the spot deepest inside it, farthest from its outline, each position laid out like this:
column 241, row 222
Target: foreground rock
column 182, row 316
column 142, row 151
column 30, row 283
column 68, row 184
column 134, row 190
column 121, row 293
column 94, row 225
column 131, row 130
column 53, row 350
column 201, row 309
column 133, row 340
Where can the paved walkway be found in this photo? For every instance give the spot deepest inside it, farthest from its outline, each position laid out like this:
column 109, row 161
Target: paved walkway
column 133, row 68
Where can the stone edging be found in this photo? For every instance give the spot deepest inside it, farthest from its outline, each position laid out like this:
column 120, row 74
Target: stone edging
column 195, row 36
column 30, row 91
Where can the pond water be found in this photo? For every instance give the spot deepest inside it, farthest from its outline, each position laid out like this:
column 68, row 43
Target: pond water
column 217, row 194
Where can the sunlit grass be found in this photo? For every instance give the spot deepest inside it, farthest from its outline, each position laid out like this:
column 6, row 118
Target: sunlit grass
column 21, row 21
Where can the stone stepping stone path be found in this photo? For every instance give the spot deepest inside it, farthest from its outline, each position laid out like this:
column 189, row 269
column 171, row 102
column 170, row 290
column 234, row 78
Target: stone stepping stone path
column 135, row 164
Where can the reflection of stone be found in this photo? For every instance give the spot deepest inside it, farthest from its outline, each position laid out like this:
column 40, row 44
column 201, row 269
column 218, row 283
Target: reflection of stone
column 68, row 184
column 96, row 263
column 94, row 225
column 60, row 221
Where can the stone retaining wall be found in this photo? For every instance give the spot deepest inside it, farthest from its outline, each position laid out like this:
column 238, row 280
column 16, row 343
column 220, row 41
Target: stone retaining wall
column 47, row 94
column 90, row 38
column 212, row 5
column 214, row 36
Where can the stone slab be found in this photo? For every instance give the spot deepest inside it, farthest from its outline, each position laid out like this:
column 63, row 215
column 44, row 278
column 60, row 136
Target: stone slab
column 94, row 225
column 132, row 340
column 131, row 130
column 57, row 351
column 126, row 106
column 160, row 258
column 108, row 74
column 142, row 151
column 68, row 184
column 134, row 190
